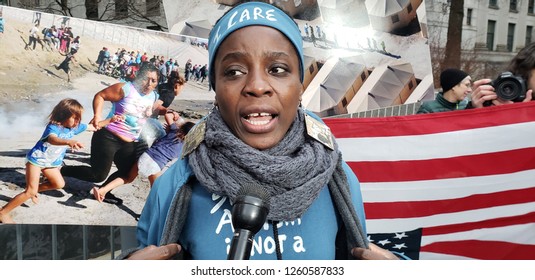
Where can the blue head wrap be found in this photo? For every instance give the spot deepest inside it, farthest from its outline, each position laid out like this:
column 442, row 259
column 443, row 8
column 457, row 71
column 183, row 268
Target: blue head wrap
column 254, row 13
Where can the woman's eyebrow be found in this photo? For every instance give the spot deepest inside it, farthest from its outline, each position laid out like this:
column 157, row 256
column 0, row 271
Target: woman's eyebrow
column 240, row 55
column 234, row 56
column 276, row 55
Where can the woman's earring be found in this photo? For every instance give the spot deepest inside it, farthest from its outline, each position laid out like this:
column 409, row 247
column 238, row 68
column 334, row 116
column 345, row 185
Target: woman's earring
column 214, row 107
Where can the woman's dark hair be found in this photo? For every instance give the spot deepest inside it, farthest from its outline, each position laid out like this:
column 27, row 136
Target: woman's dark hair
column 184, row 129
column 523, row 62
column 144, row 70
column 175, row 77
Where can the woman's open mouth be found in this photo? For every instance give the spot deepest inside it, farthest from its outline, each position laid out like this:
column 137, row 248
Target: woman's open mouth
column 259, row 122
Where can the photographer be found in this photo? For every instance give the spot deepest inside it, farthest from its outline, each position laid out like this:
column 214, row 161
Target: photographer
column 456, row 86
column 522, row 68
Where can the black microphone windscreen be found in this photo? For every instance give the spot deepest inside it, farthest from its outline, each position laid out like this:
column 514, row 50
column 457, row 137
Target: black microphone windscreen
column 256, row 191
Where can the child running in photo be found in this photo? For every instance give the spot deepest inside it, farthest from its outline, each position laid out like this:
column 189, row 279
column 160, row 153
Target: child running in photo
column 47, row 155
column 152, row 162
column 64, row 65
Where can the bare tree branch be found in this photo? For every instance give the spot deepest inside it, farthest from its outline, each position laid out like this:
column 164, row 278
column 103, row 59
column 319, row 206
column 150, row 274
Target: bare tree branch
column 127, row 12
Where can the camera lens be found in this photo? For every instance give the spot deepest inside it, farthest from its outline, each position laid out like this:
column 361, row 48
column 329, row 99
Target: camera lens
column 509, row 90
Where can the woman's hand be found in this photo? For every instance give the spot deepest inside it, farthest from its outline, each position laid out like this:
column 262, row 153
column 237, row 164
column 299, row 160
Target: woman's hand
column 152, row 252
column 95, row 122
column 117, row 118
column 174, row 114
column 373, row 253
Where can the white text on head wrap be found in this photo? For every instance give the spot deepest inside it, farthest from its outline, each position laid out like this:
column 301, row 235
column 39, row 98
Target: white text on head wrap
column 245, row 16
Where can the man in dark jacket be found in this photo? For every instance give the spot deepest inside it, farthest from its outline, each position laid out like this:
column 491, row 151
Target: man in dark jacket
column 456, row 87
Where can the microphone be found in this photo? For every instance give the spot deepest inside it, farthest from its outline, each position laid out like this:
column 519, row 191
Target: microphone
column 249, row 214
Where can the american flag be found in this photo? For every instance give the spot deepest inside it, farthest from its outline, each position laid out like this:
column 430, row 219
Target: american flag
column 466, row 179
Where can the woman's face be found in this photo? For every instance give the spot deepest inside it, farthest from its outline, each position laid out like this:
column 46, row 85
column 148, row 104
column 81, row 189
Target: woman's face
column 257, row 85
column 177, row 88
column 463, row 89
column 148, row 83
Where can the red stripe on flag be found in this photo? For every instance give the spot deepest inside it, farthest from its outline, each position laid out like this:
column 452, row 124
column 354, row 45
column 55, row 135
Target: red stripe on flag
column 484, row 250
column 443, row 168
column 432, row 123
column 490, row 223
column 413, row 209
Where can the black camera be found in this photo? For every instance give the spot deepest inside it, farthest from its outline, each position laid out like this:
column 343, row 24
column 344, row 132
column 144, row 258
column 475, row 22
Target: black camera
column 510, row 87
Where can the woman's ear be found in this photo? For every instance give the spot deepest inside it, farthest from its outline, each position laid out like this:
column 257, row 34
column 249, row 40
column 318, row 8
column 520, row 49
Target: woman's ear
column 215, row 101
column 301, row 95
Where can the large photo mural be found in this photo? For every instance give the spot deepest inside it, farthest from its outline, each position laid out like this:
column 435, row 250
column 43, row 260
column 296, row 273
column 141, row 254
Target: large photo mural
column 50, row 58
column 360, row 55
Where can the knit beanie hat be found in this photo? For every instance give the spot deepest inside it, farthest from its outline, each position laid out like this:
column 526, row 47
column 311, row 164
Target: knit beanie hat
column 450, row 78
column 253, row 13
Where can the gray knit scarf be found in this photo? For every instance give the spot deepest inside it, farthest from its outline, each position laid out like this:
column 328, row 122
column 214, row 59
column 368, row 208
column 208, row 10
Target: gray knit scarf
column 293, row 172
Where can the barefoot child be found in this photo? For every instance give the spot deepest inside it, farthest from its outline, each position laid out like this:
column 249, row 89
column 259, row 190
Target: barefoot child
column 69, row 57
column 47, row 155
column 152, row 162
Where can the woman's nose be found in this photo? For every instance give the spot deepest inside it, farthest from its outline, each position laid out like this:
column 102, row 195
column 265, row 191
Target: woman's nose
column 257, row 83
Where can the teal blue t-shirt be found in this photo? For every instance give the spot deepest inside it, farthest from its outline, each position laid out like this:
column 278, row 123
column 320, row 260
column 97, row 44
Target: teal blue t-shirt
column 310, row 237
column 208, row 230
column 46, row 155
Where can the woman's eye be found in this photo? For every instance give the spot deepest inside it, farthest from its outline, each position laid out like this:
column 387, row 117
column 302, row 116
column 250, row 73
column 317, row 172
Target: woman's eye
column 277, row 70
column 233, row 72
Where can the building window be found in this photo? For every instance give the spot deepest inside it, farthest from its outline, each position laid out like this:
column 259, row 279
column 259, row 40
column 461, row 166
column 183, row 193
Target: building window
column 469, row 17
column 512, row 6
column 529, row 31
column 91, row 9
column 121, row 8
column 153, row 7
column 493, row 4
column 491, row 28
column 311, row 68
column 531, row 7
column 363, row 75
column 344, row 102
column 395, row 18
column 510, row 36
column 411, row 85
column 29, row 3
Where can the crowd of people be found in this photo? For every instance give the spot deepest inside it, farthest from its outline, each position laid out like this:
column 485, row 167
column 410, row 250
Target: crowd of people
column 52, row 38
column 124, row 65
column 311, row 36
